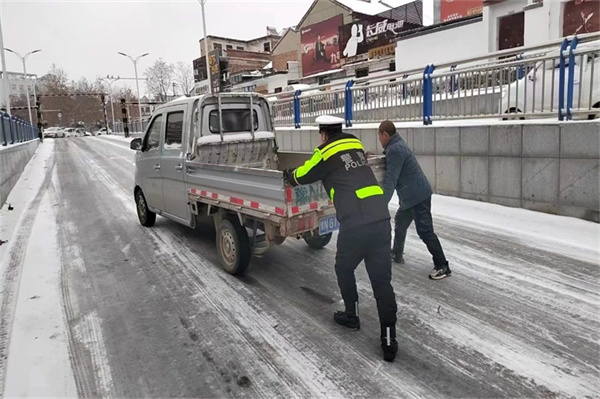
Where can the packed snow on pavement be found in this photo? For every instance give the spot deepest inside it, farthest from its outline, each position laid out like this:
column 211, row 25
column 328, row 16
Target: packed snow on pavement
column 95, row 305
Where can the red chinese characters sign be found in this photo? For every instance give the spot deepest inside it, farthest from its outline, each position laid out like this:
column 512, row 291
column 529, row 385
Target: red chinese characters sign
column 581, row 16
column 320, row 46
column 457, row 9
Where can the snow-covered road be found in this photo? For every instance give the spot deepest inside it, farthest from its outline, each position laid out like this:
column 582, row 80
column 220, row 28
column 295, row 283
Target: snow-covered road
column 149, row 312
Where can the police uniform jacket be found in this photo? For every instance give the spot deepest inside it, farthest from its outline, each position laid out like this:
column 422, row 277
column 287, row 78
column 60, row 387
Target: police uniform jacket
column 341, row 164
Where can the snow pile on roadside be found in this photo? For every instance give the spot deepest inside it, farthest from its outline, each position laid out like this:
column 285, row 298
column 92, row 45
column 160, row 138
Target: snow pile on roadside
column 23, row 193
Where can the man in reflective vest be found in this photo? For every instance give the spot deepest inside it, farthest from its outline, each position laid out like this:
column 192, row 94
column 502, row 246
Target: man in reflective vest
column 365, row 233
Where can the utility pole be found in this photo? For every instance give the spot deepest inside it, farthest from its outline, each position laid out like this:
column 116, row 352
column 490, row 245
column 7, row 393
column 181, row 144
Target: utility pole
column 136, row 78
column 111, row 79
column 4, row 98
column 24, row 60
column 202, row 2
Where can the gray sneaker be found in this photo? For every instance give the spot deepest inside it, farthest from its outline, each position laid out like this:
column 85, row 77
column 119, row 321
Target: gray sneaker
column 440, row 272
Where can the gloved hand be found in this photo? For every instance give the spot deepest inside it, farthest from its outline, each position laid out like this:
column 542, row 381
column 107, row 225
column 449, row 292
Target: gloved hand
column 288, row 176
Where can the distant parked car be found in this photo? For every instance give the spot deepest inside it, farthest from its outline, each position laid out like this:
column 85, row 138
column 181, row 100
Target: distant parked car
column 54, row 132
column 102, row 131
column 80, row 132
column 537, row 91
column 69, row 132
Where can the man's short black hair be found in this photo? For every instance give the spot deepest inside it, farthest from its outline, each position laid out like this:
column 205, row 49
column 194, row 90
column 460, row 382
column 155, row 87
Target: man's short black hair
column 330, row 130
column 387, row 127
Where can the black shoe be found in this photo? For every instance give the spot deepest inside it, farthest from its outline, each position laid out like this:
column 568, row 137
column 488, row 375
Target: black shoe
column 347, row 320
column 389, row 351
column 439, row 272
column 398, row 258
column 389, row 343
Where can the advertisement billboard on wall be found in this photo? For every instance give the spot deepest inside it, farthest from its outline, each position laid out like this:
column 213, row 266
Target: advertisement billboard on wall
column 358, row 38
column 320, row 46
column 581, row 16
column 214, row 62
column 361, row 37
column 457, row 9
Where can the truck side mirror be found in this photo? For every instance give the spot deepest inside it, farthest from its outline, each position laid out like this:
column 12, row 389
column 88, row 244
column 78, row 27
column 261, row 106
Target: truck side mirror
column 136, row 144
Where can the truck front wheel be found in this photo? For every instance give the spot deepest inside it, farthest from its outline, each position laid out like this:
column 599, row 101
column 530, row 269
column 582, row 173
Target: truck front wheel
column 233, row 247
column 145, row 215
column 316, row 241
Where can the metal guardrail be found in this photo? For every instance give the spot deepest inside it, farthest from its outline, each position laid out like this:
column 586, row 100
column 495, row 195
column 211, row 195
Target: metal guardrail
column 552, row 79
column 14, row 130
column 136, row 126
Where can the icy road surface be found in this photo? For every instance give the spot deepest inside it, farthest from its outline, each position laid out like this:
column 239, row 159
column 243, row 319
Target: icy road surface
column 93, row 304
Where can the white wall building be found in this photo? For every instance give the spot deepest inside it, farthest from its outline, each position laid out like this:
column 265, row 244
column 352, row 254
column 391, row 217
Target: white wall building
column 504, row 24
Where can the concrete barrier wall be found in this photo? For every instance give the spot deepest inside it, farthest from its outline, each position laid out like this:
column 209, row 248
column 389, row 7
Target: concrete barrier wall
column 551, row 168
column 13, row 160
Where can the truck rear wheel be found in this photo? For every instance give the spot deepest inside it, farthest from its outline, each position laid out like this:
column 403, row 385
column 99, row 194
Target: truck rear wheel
column 145, row 215
column 317, row 241
column 233, row 247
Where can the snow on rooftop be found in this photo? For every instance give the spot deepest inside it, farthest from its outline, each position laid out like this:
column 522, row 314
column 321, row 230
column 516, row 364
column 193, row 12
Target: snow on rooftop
column 373, row 7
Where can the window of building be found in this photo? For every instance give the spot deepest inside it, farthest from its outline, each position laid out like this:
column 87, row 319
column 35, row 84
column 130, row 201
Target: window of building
column 393, row 66
column 323, row 80
column 267, row 47
column 217, row 46
column 278, row 90
column 362, row 73
column 239, row 48
column 511, row 32
column 153, row 136
column 229, row 47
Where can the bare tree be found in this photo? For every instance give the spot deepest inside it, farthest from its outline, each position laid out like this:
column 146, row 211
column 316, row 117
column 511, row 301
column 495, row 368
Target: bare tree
column 160, row 78
column 184, row 76
column 55, row 81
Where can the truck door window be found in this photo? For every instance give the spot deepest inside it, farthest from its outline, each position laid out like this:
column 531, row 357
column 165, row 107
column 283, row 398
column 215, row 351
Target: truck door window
column 234, row 120
column 174, row 131
column 153, row 136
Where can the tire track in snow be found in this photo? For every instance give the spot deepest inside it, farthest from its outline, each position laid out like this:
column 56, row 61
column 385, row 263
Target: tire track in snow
column 318, row 375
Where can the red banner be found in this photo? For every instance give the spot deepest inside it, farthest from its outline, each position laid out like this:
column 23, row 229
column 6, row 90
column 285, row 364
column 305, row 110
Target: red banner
column 320, row 46
column 457, row 9
column 581, row 16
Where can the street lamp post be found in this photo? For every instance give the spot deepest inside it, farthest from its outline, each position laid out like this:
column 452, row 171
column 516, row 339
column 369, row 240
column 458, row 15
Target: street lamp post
column 137, row 83
column 111, row 80
column 24, row 60
column 202, row 2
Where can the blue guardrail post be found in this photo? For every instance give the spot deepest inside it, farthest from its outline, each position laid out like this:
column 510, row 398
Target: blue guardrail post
column 349, row 103
column 297, row 119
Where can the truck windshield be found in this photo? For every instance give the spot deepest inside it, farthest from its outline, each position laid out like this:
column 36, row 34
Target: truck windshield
column 234, row 120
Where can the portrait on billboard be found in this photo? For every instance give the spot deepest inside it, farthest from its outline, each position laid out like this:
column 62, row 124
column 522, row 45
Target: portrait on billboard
column 356, row 37
column 320, row 46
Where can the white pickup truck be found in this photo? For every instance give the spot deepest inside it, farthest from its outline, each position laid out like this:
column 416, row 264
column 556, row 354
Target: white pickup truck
column 216, row 156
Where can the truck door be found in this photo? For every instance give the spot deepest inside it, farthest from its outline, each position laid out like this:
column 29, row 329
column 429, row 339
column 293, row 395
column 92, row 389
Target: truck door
column 149, row 165
column 173, row 164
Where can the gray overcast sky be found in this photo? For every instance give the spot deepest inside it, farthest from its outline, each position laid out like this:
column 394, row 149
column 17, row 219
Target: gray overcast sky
column 83, row 37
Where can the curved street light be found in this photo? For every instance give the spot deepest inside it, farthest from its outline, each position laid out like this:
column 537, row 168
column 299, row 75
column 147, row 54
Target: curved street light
column 23, row 60
column 137, row 84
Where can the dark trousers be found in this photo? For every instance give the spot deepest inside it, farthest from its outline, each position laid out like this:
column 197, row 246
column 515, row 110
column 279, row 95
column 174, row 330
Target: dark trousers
column 370, row 243
column 421, row 213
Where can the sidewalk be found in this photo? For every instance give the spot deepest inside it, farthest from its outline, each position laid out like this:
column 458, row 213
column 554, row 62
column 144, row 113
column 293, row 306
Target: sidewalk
column 34, row 351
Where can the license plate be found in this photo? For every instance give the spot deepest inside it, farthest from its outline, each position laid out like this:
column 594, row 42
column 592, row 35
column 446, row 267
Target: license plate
column 328, row 224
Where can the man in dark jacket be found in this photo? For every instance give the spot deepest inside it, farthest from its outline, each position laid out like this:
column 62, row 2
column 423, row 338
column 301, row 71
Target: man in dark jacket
column 404, row 175
column 365, row 233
